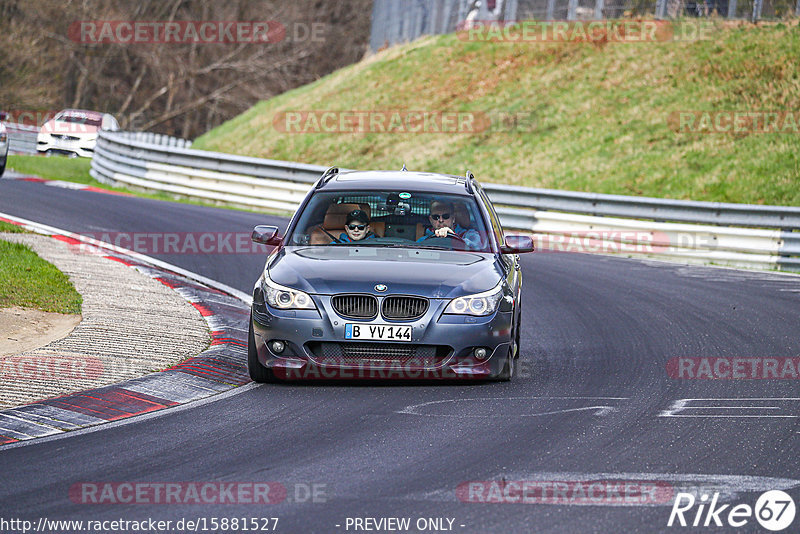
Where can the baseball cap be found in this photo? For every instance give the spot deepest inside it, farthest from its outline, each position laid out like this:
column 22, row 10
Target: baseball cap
column 357, row 215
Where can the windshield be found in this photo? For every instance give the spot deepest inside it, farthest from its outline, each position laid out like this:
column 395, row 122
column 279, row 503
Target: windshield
column 399, row 218
column 80, row 118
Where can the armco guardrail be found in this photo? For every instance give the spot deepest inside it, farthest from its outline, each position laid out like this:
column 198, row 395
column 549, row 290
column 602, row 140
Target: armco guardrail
column 647, row 208
column 162, row 165
column 729, row 234
column 21, row 137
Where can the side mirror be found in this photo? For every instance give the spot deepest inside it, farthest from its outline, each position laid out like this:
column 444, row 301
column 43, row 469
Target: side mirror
column 266, row 235
column 517, row 244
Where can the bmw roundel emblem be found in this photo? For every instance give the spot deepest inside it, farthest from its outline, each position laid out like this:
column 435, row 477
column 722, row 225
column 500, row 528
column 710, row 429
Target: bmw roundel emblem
column 380, row 287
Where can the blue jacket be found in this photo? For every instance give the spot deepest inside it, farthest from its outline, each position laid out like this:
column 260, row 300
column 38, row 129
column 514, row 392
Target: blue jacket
column 471, row 237
column 344, row 238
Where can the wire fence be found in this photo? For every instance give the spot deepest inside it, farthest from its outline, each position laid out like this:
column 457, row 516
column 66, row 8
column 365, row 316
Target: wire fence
column 396, row 21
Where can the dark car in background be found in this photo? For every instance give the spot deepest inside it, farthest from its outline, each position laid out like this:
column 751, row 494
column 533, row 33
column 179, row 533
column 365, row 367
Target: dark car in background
column 402, row 302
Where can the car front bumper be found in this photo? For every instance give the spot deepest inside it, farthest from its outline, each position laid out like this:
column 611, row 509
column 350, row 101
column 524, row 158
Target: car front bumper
column 81, row 147
column 442, row 346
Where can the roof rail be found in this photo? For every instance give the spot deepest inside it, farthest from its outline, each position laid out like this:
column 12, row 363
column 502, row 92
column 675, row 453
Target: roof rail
column 326, row 176
column 468, row 182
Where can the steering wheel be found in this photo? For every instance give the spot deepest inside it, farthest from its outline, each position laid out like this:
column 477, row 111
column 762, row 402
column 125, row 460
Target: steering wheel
column 450, row 235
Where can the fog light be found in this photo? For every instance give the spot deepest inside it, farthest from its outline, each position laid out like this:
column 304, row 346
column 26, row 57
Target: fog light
column 480, row 353
column 277, row 346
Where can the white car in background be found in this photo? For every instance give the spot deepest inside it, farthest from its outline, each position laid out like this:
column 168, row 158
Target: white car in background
column 3, row 148
column 73, row 132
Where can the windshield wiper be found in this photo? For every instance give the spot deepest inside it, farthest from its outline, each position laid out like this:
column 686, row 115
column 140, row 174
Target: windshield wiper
column 411, row 246
column 431, row 247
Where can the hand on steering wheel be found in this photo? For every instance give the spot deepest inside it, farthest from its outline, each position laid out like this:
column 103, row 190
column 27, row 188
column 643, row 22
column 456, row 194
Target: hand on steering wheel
column 445, row 232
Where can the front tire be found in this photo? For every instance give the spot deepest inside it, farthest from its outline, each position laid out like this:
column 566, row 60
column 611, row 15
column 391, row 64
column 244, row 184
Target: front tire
column 513, row 354
column 508, row 369
column 258, row 373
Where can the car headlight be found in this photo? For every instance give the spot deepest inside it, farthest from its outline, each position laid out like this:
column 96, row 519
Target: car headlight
column 285, row 298
column 478, row 304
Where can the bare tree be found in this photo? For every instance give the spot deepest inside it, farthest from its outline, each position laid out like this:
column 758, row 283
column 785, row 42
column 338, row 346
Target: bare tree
column 176, row 88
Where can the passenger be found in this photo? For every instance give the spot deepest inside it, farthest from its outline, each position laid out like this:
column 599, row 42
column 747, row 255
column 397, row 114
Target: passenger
column 356, row 228
column 442, row 218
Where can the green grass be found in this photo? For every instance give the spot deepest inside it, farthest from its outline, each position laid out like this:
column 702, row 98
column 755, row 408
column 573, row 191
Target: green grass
column 600, row 114
column 11, row 228
column 54, row 168
column 28, row 281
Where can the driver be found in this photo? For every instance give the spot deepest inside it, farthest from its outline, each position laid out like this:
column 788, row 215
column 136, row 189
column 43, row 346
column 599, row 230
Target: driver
column 443, row 223
column 356, row 228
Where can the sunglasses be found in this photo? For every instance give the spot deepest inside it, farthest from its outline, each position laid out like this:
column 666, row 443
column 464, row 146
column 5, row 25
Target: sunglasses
column 435, row 216
column 357, row 226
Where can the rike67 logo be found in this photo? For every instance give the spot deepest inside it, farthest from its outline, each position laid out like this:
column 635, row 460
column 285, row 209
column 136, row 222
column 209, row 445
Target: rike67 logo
column 774, row 510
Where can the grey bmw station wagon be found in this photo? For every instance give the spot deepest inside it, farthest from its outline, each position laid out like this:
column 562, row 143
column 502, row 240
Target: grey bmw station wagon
column 388, row 275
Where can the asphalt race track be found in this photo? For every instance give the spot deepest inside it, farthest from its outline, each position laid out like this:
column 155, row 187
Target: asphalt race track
column 593, row 402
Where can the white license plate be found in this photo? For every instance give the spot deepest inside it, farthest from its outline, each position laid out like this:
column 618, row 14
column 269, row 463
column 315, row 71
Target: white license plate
column 378, row 332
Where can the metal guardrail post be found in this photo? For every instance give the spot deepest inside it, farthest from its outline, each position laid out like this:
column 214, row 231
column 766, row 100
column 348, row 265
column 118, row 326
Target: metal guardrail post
column 463, row 10
column 510, row 10
column 434, row 15
column 447, row 11
column 551, row 9
column 572, row 8
column 732, row 9
column 661, row 9
column 757, row 5
column 599, row 5
column 377, row 33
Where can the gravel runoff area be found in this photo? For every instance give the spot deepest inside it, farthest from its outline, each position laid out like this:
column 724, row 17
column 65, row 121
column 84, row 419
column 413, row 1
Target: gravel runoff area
column 131, row 325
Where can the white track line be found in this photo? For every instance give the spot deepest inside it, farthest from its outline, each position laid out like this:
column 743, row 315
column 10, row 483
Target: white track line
column 244, row 297
column 51, row 230
column 134, row 419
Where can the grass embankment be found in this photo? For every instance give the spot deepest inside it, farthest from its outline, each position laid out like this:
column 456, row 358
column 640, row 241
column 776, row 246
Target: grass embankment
column 601, row 114
column 27, row 281
column 55, row 168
